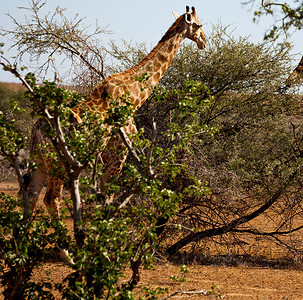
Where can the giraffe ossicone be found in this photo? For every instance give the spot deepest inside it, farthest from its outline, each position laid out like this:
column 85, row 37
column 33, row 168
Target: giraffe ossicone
column 155, row 63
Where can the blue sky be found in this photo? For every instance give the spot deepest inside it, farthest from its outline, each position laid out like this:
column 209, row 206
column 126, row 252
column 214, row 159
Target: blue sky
column 140, row 20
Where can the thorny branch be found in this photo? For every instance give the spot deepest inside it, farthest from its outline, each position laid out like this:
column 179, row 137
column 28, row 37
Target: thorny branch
column 56, row 33
column 290, row 16
column 225, row 228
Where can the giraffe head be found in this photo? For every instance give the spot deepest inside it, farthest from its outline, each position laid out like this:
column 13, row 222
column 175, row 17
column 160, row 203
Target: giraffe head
column 194, row 27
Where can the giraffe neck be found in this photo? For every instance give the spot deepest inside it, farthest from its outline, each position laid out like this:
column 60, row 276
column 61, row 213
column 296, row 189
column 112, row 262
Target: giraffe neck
column 297, row 75
column 155, row 63
column 159, row 59
column 299, row 70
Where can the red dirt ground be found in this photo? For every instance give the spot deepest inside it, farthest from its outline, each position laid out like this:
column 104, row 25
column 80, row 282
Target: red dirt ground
column 235, row 283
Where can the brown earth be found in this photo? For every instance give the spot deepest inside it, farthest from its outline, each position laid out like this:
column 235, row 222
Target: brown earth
column 233, row 282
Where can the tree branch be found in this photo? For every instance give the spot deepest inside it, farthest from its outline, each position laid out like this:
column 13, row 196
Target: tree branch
column 194, row 237
column 62, row 144
column 10, row 68
column 129, row 147
column 272, row 233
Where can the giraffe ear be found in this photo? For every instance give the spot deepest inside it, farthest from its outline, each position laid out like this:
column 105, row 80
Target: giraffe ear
column 176, row 15
column 188, row 18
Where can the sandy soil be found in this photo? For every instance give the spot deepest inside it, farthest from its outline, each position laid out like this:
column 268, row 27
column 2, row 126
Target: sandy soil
column 233, row 282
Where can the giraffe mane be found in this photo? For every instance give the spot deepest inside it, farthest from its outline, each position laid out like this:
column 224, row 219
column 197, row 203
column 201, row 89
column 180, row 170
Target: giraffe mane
column 155, row 49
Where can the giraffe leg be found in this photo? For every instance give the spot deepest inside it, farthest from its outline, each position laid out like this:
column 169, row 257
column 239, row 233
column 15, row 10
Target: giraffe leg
column 52, row 201
column 113, row 158
column 53, row 196
column 37, row 181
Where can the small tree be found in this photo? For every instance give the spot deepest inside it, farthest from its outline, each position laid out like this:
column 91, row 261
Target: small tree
column 142, row 199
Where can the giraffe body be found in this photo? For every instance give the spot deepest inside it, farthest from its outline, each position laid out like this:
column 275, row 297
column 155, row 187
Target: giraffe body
column 113, row 87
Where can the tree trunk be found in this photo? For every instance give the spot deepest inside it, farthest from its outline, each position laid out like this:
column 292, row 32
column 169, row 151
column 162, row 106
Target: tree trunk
column 23, row 187
column 77, row 211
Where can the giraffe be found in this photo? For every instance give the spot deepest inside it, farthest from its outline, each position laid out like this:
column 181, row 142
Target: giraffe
column 113, row 87
column 297, row 75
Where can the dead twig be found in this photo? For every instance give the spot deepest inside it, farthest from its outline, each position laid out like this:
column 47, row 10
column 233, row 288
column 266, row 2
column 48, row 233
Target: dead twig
column 189, row 293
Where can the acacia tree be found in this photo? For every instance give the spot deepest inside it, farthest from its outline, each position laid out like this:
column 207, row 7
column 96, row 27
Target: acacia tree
column 52, row 40
column 254, row 118
column 249, row 176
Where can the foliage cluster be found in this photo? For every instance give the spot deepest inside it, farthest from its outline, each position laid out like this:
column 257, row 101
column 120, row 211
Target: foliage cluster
column 25, row 243
column 117, row 235
column 7, row 92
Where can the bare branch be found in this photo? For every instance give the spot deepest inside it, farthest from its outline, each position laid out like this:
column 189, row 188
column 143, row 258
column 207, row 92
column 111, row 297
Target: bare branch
column 226, row 228
column 55, row 33
column 188, row 293
column 62, row 144
column 129, row 147
column 271, row 233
